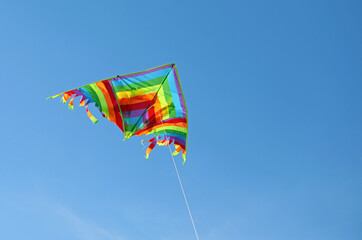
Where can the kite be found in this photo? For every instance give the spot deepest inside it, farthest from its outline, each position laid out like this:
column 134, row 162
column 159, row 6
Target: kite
column 142, row 103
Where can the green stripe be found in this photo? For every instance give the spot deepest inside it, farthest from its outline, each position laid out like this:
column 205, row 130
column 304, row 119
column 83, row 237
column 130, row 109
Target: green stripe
column 172, row 110
column 163, row 102
column 139, row 85
column 129, row 127
column 169, row 100
column 102, row 99
column 181, row 130
column 94, row 95
column 175, row 132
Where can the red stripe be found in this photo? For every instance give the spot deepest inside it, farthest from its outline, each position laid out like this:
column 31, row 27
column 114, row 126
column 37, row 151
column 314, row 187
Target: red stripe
column 175, row 120
column 150, row 140
column 117, row 113
column 151, row 116
column 165, row 123
column 150, row 147
column 136, row 106
column 137, row 99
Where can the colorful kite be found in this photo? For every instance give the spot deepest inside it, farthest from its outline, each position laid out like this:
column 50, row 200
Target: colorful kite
column 140, row 104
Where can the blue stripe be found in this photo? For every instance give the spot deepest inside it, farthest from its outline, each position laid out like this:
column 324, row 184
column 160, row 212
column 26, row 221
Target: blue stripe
column 162, row 136
column 142, row 78
column 131, row 121
column 87, row 95
column 175, row 95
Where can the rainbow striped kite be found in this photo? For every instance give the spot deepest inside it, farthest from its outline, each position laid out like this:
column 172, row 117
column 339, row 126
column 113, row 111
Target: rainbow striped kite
column 140, row 104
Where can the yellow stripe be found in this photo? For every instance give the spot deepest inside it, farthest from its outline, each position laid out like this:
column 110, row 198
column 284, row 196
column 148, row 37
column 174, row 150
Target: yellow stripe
column 163, row 102
column 141, row 91
column 170, row 127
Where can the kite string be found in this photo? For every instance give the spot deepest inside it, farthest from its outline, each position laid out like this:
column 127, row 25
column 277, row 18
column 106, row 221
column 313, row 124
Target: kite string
column 182, row 189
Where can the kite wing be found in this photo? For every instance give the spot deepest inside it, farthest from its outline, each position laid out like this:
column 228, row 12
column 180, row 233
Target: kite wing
column 140, row 104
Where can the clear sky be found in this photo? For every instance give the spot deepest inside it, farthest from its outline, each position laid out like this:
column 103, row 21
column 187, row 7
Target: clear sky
column 274, row 95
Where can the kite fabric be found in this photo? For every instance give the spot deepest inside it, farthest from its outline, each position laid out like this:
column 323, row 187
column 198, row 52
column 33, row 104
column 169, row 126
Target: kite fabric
column 140, row 104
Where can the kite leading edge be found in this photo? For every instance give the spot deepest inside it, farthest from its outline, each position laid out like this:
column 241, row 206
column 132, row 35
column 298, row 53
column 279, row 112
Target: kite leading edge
column 140, row 103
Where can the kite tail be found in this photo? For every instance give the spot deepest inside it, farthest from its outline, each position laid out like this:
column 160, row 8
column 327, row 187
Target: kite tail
column 170, row 131
column 184, row 155
column 163, row 140
column 178, row 149
column 70, row 105
column 83, row 101
column 153, row 142
column 91, row 117
column 65, row 97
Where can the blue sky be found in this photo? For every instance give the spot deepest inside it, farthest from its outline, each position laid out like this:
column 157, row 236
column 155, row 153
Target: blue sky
column 273, row 90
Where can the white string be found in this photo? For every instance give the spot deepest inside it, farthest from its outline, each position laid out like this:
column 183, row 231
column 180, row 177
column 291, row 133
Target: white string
column 179, row 180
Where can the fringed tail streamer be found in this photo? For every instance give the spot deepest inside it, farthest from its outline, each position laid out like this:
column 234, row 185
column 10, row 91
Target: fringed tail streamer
column 91, row 117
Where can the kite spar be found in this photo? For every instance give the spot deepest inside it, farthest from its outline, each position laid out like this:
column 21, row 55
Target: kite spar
column 142, row 103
